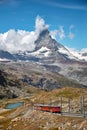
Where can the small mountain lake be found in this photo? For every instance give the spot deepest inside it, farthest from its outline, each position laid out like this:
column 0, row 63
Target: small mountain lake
column 14, row 105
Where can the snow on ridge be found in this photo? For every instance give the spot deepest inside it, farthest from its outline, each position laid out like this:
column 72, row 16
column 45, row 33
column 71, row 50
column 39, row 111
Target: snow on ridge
column 78, row 54
column 43, row 51
column 80, row 57
column 3, row 59
column 64, row 51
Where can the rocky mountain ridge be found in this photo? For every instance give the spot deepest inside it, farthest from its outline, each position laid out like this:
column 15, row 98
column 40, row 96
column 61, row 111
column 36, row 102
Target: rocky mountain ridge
column 53, row 56
column 45, row 47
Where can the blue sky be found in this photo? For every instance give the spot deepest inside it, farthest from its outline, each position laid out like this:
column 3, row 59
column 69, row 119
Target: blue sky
column 67, row 19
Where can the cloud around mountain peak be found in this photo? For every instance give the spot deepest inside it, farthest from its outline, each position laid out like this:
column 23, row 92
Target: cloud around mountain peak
column 21, row 40
column 40, row 24
column 14, row 41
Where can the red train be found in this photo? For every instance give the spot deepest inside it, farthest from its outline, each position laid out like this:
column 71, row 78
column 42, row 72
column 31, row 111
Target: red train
column 47, row 108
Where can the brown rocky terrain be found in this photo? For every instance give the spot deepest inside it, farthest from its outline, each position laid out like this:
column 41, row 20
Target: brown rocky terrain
column 26, row 118
column 17, row 78
column 32, row 83
column 37, row 120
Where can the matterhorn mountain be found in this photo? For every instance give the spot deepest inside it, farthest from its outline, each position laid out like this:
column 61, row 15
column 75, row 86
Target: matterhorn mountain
column 46, row 50
column 54, row 57
column 49, row 50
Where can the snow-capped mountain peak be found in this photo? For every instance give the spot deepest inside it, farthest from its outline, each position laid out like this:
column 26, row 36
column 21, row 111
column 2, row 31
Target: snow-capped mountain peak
column 46, row 48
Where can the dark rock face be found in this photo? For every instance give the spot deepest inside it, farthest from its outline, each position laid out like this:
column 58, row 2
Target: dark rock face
column 25, row 57
column 45, row 40
column 4, row 91
column 53, row 68
column 3, row 81
column 6, row 84
column 84, row 54
column 7, row 94
column 6, row 55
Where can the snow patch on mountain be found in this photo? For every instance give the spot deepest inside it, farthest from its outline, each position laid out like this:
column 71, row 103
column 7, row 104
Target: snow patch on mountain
column 81, row 55
column 43, row 51
column 67, row 53
column 3, row 59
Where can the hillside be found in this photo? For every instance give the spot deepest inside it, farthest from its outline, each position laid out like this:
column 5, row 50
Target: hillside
column 53, row 56
column 16, row 78
column 32, row 83
column 25, row 117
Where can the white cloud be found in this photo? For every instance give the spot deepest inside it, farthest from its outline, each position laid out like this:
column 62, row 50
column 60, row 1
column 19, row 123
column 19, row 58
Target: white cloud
column 40, row 24
column 66, row 5
column 61, row 32
column 71, row 26
column 54, row 33
column 71, row 35
column 21, row 40
column 13, row 41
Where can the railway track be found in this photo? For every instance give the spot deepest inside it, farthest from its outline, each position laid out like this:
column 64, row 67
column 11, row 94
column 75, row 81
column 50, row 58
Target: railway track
column 57, row 110
column 72, row 114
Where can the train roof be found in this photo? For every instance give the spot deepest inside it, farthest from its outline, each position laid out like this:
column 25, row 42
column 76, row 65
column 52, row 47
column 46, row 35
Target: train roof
column 46, row 105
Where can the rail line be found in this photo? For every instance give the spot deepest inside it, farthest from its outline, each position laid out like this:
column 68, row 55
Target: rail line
column 58, row 110
column 72, row 114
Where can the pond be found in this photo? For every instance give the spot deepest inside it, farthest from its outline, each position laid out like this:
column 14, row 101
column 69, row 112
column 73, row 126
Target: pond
column 14, row 105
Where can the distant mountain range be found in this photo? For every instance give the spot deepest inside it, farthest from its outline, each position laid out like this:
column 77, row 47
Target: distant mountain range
column 54, row 57
column 46, row 48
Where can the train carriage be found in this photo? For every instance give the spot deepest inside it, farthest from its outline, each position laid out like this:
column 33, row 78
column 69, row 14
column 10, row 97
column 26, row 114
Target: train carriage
column 48, row 108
